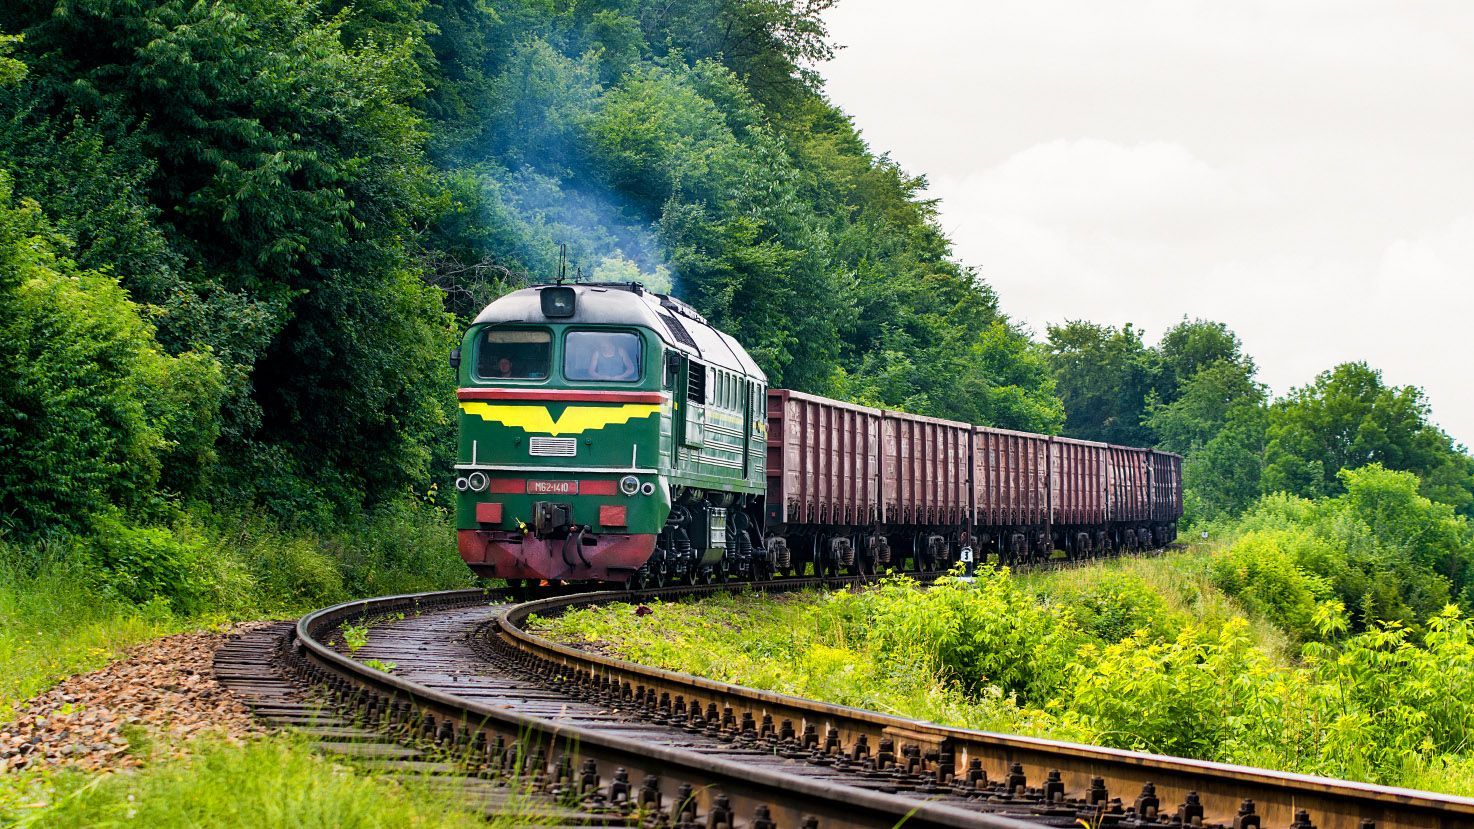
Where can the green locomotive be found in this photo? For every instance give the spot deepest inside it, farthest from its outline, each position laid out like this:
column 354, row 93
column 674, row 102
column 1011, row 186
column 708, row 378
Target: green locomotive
column 608, row 434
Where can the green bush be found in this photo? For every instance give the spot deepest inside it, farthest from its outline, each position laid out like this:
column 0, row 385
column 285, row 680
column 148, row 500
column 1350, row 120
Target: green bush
column 986, row 632
column 1383, row 550
column 1111, row 605
column 1177, row 696
column 180, row 565
column 91, row 408
column 1263, row 570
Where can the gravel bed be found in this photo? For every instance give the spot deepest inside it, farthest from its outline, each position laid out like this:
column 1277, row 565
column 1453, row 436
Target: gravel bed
column 165, row 688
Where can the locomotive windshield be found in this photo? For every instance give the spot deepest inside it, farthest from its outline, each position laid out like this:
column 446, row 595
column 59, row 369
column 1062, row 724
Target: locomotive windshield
column 514, row 355
column 603, row 356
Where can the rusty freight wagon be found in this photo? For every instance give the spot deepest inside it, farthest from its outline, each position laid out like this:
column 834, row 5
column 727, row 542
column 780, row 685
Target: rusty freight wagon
column 926, row 485
column 1079, row 495
column 824, row 482
column 1010, row 481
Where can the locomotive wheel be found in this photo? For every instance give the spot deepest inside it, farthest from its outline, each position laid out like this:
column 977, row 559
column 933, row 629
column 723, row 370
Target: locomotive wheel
column 661, row 574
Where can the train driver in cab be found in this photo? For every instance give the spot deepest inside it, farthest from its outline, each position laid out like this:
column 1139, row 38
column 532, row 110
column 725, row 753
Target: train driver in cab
column 608, row 361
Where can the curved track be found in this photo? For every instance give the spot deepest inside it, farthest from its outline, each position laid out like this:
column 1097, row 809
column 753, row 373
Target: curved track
column 626, row 743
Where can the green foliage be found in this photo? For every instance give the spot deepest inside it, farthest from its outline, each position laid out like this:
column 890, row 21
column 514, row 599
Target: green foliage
column 1381, row 549
column 11, row 70
column 254, row 171
column 1349, row 418
column 354, row 636
column 1112, row 605
column 1105, row 377
column 1264, row 570
column 91, row 408
column 1174, row 670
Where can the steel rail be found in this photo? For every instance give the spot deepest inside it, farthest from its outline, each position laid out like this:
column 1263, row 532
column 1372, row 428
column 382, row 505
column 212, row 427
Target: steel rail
column 543, row 749
column 1221, row 788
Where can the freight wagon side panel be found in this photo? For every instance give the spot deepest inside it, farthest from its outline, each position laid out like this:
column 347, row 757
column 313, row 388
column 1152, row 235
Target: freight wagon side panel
column 1078, row 481
column 822, row 459
column 1010, row 477
column 926, row 470
column 1166, row 486
column 1130, row 498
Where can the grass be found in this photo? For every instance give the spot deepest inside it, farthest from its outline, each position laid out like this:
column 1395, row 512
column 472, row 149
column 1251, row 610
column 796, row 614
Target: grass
column 265, row 783
column 59, row 615
column 1181, row 580
column 53, row 624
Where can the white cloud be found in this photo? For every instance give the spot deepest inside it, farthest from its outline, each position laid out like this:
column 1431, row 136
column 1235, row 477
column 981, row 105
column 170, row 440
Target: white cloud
column 1298, row 170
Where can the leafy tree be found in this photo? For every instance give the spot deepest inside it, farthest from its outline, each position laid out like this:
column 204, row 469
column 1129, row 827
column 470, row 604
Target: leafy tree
column 93, row 414
column 1106, row 376
column 1190, row 347
column 272, row 170
column 1346, row 419
column 1223, row 476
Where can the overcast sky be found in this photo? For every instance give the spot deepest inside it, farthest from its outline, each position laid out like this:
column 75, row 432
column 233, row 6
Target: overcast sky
column 1303, row 171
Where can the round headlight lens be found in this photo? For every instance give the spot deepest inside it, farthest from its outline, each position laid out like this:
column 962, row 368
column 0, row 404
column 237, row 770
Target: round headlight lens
column 462, row 484
column 648, row 488
column 629, row 485
column 477, row 481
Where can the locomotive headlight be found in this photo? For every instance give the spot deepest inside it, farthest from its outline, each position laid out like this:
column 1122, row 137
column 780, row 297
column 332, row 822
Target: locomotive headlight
column 462, row 484
column 477, row 481
column 629, row 485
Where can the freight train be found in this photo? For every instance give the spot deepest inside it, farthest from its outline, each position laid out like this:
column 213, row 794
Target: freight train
column 611, row 434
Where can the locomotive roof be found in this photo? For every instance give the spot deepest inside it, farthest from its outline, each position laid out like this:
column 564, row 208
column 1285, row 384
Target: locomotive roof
column 627, row 303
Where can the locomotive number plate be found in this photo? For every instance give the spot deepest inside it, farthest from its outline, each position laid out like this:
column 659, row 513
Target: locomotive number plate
column 552, row 487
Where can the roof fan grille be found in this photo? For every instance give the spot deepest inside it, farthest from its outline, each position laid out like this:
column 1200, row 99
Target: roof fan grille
column 677, row 330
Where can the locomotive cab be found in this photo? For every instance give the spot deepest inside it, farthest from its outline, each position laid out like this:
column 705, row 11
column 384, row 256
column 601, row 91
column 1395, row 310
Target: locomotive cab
column 576, row 432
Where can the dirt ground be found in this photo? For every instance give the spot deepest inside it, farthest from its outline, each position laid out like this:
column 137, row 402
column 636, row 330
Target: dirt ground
column 163, row 692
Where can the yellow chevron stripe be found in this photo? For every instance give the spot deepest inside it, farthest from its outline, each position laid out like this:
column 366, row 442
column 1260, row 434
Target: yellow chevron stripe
column 574, row 420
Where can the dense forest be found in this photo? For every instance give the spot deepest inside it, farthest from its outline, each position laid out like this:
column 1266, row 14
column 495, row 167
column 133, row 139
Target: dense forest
column 238, row 239
column 264, row 222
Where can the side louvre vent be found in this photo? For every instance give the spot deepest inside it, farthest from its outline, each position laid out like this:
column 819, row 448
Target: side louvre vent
column 696, row 383
column 677, row 330
column 552, row 447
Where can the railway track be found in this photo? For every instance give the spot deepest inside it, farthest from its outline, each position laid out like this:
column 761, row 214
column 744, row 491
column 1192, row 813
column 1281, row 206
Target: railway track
column 580, row 738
